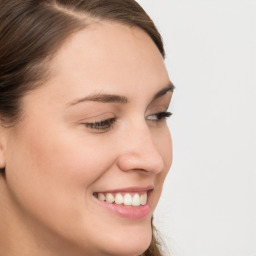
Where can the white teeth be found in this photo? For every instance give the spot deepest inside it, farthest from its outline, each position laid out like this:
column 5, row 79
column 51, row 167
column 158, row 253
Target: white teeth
column 128, row 199
column 143, row 198
column 110, row 198
column 136, row 200
column 101, row 197
column 119, row 199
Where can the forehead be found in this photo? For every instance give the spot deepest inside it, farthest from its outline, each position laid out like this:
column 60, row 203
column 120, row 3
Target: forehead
column 109, row 45
column 107, row 57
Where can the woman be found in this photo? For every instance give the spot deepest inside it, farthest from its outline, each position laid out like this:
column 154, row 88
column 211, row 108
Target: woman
column 84, row 145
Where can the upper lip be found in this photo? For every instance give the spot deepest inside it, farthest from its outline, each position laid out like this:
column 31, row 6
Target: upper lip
column 128, row 189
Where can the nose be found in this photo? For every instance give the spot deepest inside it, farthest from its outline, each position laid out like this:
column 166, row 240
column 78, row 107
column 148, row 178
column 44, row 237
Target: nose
column 139, row 152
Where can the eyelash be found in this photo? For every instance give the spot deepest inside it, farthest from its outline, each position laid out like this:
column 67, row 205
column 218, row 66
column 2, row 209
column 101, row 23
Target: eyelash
column 101, row 125
column 161, row 115
column 108, row 123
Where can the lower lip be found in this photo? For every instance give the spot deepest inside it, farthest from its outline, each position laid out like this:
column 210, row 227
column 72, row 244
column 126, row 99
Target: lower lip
column 129, row 212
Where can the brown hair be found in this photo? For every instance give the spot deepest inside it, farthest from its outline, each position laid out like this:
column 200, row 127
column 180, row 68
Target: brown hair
column 31, row 32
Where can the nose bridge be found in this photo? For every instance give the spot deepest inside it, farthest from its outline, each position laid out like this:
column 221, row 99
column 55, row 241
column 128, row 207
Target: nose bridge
column 139, row 151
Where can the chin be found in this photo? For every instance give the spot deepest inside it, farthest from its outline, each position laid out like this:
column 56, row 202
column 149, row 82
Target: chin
column 126, row 249
column 128, row 245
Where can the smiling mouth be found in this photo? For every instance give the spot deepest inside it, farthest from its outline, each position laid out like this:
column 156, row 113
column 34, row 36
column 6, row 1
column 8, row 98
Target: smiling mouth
column 135, row 199
column 131, row 203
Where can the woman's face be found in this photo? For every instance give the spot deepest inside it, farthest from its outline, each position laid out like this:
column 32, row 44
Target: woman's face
column 93, row 133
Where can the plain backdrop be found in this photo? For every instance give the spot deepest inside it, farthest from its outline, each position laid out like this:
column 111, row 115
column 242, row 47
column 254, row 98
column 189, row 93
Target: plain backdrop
column 208, row 207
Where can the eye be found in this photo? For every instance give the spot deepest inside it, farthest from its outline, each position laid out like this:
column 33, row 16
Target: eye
column 159, row 116
column 101, row 125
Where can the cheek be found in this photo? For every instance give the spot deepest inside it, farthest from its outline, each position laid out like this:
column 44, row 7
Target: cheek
column 57, row 155
column 163, row 143
column 53, row 170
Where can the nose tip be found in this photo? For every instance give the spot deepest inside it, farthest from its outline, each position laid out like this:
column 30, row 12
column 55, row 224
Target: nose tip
column 140, row 153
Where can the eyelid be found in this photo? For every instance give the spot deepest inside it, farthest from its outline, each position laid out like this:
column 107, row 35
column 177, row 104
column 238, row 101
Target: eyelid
column 98, row 117
column 100, row 123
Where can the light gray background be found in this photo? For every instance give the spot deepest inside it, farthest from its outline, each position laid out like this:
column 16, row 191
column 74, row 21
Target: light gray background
column 208, row 207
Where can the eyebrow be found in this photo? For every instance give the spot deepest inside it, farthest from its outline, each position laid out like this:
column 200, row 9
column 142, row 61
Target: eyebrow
column 169, row 88
column 112, row 98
